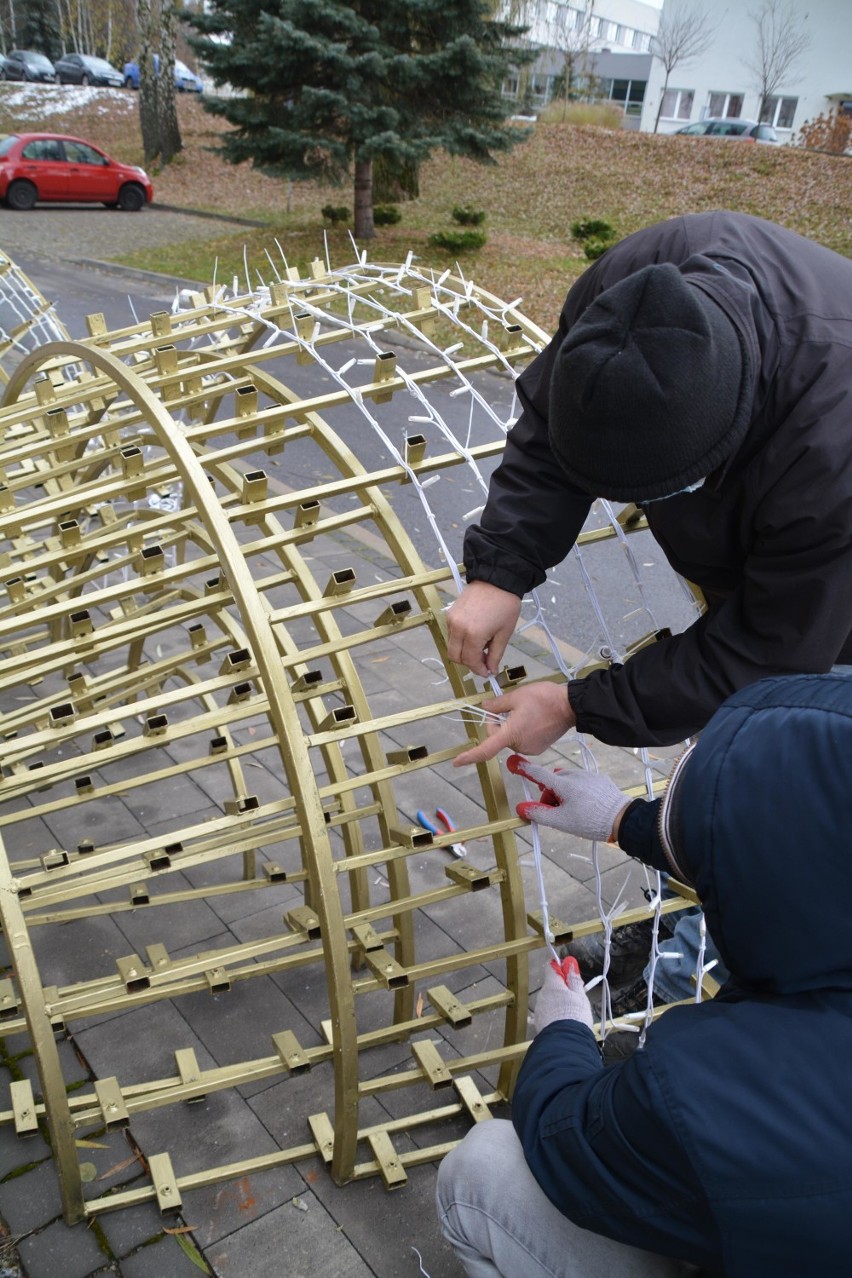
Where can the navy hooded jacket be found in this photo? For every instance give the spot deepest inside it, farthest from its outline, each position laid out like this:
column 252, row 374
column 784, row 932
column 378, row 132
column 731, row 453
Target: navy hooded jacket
column 727, row 1140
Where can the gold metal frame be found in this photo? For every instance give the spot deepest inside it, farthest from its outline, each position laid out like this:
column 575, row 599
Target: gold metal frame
column 176, row 610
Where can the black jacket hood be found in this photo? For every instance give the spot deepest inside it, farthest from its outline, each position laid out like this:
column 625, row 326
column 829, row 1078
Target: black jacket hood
column 764, row 806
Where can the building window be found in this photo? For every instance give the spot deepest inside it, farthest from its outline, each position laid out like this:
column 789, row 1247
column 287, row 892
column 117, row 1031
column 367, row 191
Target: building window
column 630, row 94
column 725, row 106
column 677, row 104
column 541, row 88
column 779, row 112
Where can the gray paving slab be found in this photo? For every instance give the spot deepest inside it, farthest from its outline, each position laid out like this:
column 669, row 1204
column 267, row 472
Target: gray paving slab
column 31, row 1200
column 291, row 1241
column 127, row 1230
column 73, row 1253
column 164, row 1258
column 74, row 1070
column 179, row 926
column 387, row 1227
column 223, row 1209
column 19, row 1152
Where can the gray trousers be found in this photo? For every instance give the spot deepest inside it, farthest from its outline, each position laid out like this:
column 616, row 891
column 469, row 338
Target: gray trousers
column 502, row 1225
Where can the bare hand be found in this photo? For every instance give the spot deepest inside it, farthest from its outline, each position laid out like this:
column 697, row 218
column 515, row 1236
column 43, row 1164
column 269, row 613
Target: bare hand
column 537, row 714
column 480, row 624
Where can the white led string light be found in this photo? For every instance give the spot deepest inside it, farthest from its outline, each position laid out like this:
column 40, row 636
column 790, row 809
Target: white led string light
column 447, row 302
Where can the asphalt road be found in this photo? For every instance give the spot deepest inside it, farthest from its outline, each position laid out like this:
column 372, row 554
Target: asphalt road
column 630, row 608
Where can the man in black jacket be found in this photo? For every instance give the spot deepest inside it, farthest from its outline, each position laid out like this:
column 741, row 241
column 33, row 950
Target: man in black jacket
column 702, row 368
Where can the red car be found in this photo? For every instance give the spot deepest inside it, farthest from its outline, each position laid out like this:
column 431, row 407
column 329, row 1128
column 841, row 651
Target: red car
column 53, row 167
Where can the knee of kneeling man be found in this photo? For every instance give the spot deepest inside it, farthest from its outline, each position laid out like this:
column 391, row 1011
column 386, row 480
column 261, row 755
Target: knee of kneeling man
column 478, row 1157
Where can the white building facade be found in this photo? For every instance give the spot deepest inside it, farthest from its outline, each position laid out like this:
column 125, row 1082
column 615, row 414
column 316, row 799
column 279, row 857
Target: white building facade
column 612, row 41
column 720, row 82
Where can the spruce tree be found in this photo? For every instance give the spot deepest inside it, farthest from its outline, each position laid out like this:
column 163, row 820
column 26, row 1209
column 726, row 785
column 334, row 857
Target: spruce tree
column 325, row 88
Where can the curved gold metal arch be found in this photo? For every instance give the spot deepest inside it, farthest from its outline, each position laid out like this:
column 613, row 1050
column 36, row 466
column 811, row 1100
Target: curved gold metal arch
column 192, row 710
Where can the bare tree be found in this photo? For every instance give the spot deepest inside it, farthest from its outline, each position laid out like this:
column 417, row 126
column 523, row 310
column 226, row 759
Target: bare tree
column 569, row 33
column 686, row 31
column 782, row 38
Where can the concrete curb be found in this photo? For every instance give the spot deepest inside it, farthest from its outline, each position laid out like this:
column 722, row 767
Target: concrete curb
column 136, row 273
column 214, row 217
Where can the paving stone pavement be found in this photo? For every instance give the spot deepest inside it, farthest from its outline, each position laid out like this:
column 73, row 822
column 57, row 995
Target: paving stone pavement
column 291, row 1222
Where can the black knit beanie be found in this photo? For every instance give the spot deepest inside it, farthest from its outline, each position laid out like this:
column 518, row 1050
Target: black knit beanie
column 647, row 394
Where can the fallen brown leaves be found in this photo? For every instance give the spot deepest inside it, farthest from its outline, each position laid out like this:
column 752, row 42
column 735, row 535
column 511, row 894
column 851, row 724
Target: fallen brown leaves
column 562, row 174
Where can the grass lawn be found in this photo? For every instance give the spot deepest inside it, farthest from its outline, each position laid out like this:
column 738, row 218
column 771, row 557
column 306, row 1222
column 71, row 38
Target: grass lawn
column 563, row 173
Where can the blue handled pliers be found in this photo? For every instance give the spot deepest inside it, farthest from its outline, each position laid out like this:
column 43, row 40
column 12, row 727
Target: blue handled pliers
column 457, row 849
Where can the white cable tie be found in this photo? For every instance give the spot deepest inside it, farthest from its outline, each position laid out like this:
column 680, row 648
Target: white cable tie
column 433, row 479
column 670, row 954
column 471, row 514
column 346, row 367
column 451, row 350
column 460, row 390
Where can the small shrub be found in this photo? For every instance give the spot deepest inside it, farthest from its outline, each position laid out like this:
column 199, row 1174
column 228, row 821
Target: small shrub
column 458, row 241
column 466, row 216
column 594, row 248
column 335, row 213
column 592, row 229
column 386, row 215
column 831, row 132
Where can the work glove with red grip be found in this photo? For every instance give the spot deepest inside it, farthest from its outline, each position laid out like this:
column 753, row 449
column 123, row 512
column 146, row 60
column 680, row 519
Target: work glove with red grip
column 583, row 803
column 562, row 996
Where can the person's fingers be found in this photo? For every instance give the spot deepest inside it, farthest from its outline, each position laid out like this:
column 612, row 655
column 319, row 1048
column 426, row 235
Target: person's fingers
column 530, row 810
column 486, row 749
column 542, row 777
column 494, row 649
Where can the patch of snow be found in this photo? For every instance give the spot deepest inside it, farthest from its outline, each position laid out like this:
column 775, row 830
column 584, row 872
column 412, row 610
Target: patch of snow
column 34, row 102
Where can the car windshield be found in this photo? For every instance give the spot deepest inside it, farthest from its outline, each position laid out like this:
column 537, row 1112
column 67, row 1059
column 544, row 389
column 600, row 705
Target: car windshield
column 182, row 68
column 99, row 64
column 7, row 143
column 37, row 60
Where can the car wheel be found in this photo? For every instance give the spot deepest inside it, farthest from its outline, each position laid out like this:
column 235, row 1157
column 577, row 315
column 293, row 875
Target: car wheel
column 84, row 80
column 21, row 196
column 131, row 198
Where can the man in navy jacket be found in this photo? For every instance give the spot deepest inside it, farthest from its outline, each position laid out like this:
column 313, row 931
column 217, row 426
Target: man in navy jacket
column 725, row 1142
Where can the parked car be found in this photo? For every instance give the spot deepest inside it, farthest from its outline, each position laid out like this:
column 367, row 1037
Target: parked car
column 82, row 68
column 23, row 64
column 54, row 167
column 747, row 130
column 186, row 81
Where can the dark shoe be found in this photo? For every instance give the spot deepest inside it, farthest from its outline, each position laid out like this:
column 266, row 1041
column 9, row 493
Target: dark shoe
column 630, row 949
column 632, row 998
